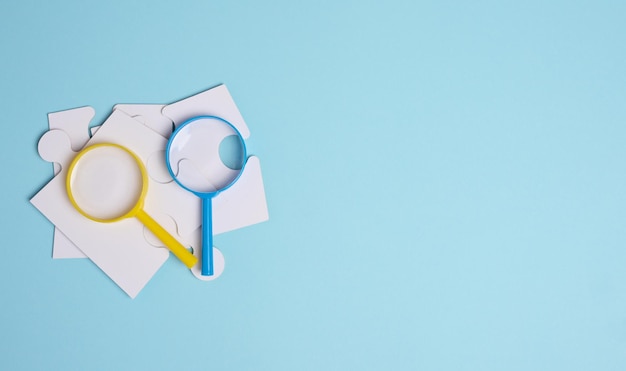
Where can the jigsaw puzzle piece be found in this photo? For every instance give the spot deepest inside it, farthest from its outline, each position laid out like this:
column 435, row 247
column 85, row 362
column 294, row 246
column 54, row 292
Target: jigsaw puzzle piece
column 244, row 203
column 204, row 179
column 166, row 222
column 155, row 164
column 149, row 115
column 179, row 204
column 74, row 123
column 192, row 177
column 218, row 265
column 119, row 249
column 157, row 170
column 213, row 102
column 55, row 146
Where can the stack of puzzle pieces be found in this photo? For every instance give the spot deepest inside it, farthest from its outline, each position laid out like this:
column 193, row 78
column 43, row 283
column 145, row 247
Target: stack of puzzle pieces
column 126, row 250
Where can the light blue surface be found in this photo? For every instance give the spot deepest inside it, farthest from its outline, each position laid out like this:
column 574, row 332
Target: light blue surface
column 446, row 185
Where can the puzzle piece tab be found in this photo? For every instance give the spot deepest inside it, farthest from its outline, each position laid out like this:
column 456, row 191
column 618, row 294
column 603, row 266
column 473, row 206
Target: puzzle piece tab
column 120, row 248
column 55, row 146
column 74, row 122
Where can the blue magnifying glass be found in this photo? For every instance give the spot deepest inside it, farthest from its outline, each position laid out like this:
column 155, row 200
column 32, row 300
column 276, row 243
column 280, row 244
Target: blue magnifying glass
column 206, row 155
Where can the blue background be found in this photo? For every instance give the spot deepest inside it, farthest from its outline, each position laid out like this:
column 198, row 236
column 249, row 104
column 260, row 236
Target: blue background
column 446, row 185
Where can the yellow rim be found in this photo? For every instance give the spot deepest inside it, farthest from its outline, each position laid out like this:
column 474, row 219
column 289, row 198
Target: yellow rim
column 144, row 178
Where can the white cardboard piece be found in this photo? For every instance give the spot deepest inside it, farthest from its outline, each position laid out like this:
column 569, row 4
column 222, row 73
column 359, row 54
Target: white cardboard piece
column 244, row 203
column 149, row 115
column 216, row 101
column 118, row 248
column 218, row 261
column 55, row 146
column 75, row 124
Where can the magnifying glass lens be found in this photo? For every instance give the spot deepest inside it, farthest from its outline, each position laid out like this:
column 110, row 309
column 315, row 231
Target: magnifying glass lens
column 106, row 182
column 206, row 155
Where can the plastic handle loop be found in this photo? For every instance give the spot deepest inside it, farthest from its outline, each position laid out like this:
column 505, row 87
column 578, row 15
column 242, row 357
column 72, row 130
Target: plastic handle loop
column 170, row 242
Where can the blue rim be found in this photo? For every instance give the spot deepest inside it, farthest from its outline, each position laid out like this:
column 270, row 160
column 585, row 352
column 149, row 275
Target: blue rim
column 173, row 136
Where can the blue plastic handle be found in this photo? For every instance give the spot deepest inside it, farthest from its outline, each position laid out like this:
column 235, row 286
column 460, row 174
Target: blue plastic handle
column 207, row 236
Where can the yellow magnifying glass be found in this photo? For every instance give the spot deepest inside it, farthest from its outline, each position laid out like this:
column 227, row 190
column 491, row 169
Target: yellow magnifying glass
column 107, row 183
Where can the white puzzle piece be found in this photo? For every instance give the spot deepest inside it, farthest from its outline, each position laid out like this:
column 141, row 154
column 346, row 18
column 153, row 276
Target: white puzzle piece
column 75, row 124
column 55, row 146
column 213, row 102
column 218, row 264
column 157, row 169
column 63, row 247
column 118, row 248
column 166, row 222
column 203, row 178
column 218, row 260
column 77, row 121
column 149, row 115
column 244, row 203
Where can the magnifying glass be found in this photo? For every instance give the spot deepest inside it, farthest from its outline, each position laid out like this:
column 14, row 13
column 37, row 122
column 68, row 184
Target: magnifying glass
column 206, row 155
column 107, row 183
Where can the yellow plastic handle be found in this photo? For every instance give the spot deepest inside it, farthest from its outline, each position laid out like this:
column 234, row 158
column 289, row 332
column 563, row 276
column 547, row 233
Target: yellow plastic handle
column 170, row 242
